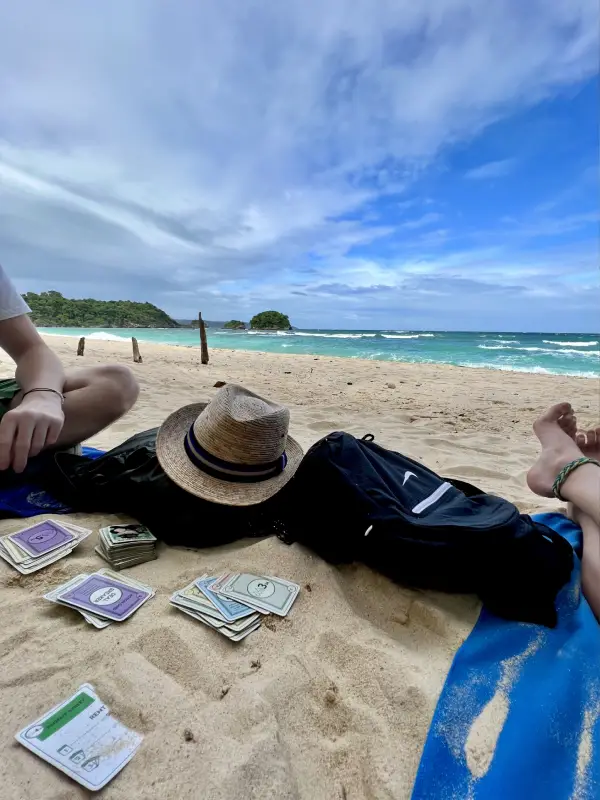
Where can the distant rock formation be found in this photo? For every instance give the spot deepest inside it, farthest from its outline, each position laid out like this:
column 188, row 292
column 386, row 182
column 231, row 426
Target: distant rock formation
column 270, row 321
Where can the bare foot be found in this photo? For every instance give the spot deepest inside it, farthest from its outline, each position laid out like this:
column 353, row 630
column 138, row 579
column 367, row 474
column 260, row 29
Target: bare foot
column 555, row 429
column 589, row 443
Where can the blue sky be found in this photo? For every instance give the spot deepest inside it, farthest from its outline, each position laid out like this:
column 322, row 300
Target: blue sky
column 354, row 163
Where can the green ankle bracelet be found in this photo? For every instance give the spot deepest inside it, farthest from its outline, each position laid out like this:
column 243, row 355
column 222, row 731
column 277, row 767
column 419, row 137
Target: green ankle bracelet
column 566, row 471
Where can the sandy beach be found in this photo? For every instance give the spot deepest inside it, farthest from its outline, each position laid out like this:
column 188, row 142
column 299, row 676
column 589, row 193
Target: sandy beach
column 331, row 702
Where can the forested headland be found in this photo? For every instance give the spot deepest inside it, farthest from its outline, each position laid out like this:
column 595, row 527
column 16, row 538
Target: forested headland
column 52, row 310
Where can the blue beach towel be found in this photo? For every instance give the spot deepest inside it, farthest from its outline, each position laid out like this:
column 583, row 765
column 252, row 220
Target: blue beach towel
column 519, row 715
column 22, row 496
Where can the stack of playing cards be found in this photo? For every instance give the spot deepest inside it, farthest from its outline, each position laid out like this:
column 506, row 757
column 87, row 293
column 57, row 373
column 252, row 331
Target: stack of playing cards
column 82, row 739
column 126, row 545
column 102, row 597
column 38, row 545
column 234, row 620
column 234, row 602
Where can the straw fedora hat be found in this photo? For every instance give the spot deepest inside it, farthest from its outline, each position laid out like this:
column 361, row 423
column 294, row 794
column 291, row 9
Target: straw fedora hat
column 234, row 450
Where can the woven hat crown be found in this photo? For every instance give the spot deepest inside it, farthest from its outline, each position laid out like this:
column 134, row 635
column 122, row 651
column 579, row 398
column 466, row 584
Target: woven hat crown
column 240, row 427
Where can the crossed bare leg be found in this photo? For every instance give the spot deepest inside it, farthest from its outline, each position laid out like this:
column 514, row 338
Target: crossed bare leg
column 562, row 443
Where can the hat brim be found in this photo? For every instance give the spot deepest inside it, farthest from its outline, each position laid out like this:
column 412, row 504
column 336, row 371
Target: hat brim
column 174, row 460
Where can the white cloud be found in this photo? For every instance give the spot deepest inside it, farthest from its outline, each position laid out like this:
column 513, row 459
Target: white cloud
column 422, row 222
column 493, row 169
column 186, row 144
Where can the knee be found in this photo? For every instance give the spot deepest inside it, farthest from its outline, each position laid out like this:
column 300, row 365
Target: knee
column 122, row 389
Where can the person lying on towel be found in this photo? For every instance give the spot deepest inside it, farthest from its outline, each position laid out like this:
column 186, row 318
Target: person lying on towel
column 45, row 406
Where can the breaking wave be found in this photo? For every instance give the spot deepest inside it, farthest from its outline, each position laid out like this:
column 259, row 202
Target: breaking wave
column 570, row 344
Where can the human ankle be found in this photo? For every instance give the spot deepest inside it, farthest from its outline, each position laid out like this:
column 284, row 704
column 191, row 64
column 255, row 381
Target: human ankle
column 582, row 475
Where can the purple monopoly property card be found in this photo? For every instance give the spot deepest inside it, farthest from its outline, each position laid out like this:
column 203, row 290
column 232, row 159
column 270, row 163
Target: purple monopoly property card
column 105, row 597
column 42, row 538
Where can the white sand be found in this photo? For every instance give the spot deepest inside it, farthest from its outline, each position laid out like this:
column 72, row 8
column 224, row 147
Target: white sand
column 335, row 700
column 585, row 751
column 484, row 733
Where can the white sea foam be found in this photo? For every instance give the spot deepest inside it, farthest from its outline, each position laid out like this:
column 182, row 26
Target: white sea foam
column 534, row 369
column 320, row 335
column 589, row 353
column 408, row 335
column 570, row 344
column 592, row 353
column 108, row 337
column 336, row 335
column 102, row 335
column 400, row 335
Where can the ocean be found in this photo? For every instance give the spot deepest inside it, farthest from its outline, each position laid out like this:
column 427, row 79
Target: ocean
column 549, row 353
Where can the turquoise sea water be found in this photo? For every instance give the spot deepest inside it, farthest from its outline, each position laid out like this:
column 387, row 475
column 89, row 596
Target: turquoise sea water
column 553, row 353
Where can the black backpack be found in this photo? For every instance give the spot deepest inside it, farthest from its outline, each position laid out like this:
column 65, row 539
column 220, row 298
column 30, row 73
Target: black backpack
column 352, row 500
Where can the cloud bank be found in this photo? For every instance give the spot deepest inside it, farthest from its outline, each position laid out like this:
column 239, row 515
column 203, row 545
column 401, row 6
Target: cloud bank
column 220, row 154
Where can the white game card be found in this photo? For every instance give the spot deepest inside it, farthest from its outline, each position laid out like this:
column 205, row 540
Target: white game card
column 82, row 739
column 265, row 593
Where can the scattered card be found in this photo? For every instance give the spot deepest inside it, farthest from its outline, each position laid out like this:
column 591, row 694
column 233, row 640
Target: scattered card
column 41, row 538
column 105, row 597
column 126, row 534
column 81, row 738
column 221, row 581
column 102, row 597
column 233, row 636
column 264, row 593
column 93, row 618
column 201, row 607
column 230, row 609
column 126, row 545
column 39, row 545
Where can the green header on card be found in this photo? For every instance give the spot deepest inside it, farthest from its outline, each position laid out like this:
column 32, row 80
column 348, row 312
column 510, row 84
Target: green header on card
column 64, row 715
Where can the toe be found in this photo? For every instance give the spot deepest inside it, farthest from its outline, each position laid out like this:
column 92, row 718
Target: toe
column 552, row 416
column 571, row 430
column 581, row 439
column 568, row 423
column 554, row 413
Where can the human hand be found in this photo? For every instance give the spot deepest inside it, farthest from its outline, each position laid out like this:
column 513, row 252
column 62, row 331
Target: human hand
column 25, row 430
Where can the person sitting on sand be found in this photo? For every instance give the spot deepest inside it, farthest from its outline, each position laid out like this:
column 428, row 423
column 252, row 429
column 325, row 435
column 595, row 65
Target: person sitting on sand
column 569, row 469
column 45, row 405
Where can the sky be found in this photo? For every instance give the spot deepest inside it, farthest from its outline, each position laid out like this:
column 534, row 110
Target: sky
column 353, row 163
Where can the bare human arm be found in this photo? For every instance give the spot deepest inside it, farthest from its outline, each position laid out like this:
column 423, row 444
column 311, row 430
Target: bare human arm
column 38, row 420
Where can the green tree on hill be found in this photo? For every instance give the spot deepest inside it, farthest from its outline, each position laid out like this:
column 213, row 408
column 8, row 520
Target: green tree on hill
column 51, row 309
column 235, row 324
column 270, row 321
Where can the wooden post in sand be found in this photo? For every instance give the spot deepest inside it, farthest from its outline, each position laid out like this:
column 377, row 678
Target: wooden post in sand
column 81, row 346
column 137, row 358
column 203, row 343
